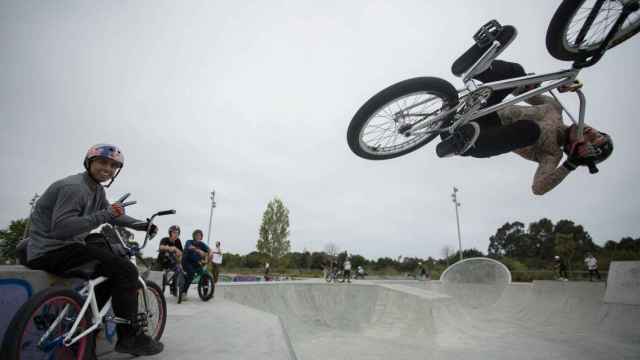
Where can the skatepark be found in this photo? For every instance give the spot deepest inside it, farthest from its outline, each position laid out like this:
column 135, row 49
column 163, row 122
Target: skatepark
column 472, row 314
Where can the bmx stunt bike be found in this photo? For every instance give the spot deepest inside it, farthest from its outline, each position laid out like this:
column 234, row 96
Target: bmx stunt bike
column 206, row 285
column 60, row 323
column 409, row 114
column 174, row 278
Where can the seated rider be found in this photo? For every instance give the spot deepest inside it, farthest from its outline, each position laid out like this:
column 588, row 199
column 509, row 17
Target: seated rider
column 195, row 252
column 170, row 249
column 61, row 220
column 535, row 132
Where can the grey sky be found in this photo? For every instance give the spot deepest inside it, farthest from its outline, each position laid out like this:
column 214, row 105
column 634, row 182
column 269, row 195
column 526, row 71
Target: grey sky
column 254, row 98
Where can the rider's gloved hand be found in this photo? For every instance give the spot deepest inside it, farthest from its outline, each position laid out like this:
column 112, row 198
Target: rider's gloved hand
column 154, row 230
column 577, row 156
column 116, row 209
column 143, row 225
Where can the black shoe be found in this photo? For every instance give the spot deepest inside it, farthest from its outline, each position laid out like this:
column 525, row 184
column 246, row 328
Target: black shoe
column 139, row 345
column 460, row 141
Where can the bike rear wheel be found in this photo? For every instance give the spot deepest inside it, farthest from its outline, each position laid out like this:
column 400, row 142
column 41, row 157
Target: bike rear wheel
column 36, row 316
column 579, row 27
column 206, row 287
column 378, row 129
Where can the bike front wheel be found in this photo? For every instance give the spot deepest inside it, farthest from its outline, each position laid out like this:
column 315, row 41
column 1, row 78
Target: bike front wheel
column 579, row 27
column 180, row 281
column 206, row 287
column 156, row 309
column 25, row 338
column 379, row 129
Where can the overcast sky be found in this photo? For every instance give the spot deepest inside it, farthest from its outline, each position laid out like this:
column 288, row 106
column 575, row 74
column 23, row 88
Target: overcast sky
column 253, row 98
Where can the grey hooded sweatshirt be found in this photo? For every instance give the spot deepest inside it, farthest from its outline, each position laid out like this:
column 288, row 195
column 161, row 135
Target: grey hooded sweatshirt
column 67, row 212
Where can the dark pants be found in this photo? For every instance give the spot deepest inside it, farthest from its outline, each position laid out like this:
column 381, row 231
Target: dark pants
column 122, row 284
column 592, row 272
column 562, row 272
column 495, row 138
column 346, row 275
column 190, row 271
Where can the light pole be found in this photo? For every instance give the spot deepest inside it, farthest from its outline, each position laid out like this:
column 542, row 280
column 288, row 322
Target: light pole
column 212, row 196
column 456, row 204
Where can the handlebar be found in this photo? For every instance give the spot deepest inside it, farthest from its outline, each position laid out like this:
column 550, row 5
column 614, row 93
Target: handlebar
column 148, row 234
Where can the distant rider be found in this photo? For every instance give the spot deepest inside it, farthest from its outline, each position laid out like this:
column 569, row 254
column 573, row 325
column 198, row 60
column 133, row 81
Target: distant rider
column 196, row 252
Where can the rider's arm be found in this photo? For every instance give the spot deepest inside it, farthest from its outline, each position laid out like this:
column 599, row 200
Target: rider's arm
column 67, row 219
column 548, row 175
column 512, row 113
column 130, row 222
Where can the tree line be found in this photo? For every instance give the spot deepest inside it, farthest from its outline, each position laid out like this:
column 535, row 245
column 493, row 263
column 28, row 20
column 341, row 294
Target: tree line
column 521, row 247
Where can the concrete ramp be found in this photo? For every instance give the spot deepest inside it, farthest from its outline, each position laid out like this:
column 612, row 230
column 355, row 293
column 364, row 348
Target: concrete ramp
column 623, row 283
column 370, row 320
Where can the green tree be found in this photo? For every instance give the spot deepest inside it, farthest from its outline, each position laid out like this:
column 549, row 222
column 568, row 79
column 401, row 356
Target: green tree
column 318, row 259
column 566, row 247
column 274, row 232
column 508, row 240
column 10, row 237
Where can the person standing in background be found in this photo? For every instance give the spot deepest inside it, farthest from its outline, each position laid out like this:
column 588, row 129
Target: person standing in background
column 216, row 261
column 592, row 265
column 266, row 271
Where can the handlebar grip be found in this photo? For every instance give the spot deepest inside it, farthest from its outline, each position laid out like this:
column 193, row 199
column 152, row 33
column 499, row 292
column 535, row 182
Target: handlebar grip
column 166, row 212
column 593, row 169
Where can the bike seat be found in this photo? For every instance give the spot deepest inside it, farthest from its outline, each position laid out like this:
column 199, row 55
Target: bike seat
column 475, row 52
column 85, row 271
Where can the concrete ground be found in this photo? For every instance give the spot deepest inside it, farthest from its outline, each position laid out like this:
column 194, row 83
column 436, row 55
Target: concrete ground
column 399, row 320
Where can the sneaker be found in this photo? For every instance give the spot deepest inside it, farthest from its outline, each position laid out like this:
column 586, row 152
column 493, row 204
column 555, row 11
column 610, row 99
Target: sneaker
column 139, row 345
column 460, row 141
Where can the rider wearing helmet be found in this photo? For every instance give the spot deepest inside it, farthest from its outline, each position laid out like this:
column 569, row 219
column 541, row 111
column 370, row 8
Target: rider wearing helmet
column 170, row 249
column 61, row 220
column 561, row 268
column 536, row 133
column 196, row 252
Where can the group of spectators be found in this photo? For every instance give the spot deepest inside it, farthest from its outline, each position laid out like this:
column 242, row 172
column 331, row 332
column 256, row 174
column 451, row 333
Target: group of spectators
column 590, row 262
column 192, row 257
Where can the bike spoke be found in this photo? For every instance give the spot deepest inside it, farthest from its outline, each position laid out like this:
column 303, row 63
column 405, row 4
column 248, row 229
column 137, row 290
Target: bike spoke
column 381, row 133
column 596, row 32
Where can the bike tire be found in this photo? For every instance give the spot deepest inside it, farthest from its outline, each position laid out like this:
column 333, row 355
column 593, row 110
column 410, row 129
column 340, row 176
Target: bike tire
column 389, row 99
column 206, row 286
column 560, row 30
column 158, row 306
column 15, row 342
column 180, row 282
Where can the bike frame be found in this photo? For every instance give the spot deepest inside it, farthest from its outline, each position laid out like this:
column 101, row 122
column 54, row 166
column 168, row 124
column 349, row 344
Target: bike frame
column 89, row 292
column 556, row 80
column 98, row 314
